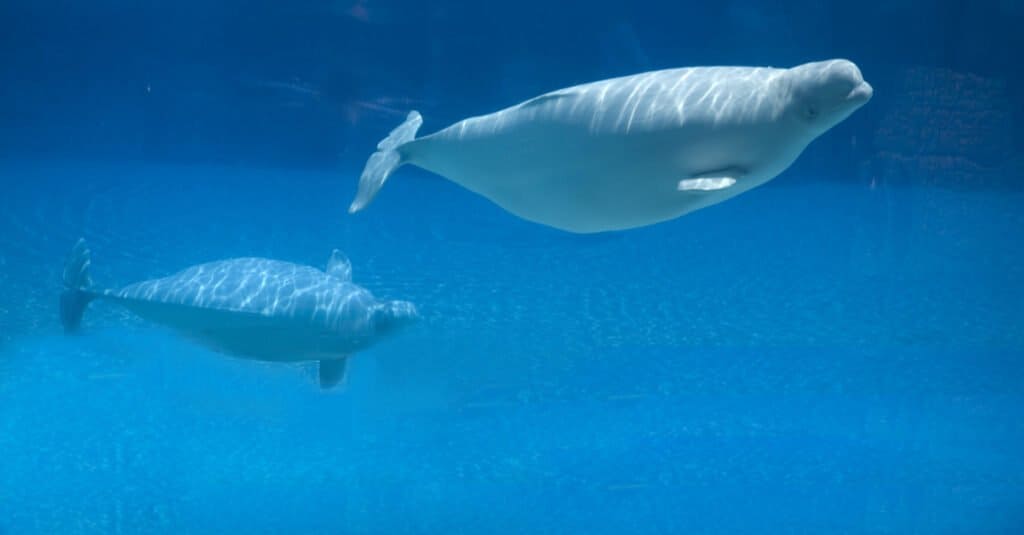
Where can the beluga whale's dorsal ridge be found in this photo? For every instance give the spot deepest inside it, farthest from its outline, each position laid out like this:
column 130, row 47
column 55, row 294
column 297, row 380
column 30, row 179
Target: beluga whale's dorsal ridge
column 631, row 151
column 254, row 308
column 339, row 267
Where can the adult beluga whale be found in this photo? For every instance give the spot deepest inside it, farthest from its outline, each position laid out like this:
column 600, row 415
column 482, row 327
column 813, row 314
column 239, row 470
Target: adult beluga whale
column 252, row 308
column 632, row 151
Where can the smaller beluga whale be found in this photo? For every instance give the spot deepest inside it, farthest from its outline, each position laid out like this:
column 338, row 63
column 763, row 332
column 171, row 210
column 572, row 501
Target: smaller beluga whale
column 253, row 308
column 632, row 151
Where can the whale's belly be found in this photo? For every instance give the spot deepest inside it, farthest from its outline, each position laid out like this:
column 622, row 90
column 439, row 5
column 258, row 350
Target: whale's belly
column 609, row 155
column 249, row 335
column 570, row 178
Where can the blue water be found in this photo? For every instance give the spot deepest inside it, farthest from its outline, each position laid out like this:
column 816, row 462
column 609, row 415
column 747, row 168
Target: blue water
column 838, row 351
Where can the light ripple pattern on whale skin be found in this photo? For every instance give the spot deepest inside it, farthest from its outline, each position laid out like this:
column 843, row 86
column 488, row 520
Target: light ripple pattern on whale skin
column 269, row 288
column 651, row 101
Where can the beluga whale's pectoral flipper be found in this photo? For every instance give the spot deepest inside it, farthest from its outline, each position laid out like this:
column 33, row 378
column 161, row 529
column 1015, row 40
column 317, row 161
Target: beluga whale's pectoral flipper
column 384, row 162
column 339, row 267
column 332, row 372
column 706, row 183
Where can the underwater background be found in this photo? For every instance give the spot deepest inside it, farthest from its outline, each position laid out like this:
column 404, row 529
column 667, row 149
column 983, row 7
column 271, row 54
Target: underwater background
column 838, row 351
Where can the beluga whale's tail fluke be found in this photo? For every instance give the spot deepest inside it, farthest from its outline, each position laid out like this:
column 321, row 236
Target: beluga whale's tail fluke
column 77, row 284
column 384, row 162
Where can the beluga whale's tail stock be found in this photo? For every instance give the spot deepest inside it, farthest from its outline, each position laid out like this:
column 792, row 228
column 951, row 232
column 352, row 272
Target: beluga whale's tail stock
column 253, row 308
column 631, row 151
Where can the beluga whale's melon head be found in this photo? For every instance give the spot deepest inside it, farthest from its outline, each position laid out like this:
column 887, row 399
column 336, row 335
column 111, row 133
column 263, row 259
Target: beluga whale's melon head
column 824, row 93
column 391, row 317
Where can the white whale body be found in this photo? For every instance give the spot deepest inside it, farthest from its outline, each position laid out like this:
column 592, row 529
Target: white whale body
column 253, row 308
column 631, row 151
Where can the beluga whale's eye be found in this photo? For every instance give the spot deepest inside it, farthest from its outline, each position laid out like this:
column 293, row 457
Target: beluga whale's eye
column 826, row 92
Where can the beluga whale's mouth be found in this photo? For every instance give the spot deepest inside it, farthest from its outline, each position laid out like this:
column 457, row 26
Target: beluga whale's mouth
column 861, row 94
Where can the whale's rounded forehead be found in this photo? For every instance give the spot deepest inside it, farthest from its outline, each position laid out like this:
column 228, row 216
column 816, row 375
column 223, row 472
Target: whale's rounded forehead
column 835, row 76
column 834, row 67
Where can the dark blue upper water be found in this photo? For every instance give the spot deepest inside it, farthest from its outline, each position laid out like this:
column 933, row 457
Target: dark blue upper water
column 838, row 351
